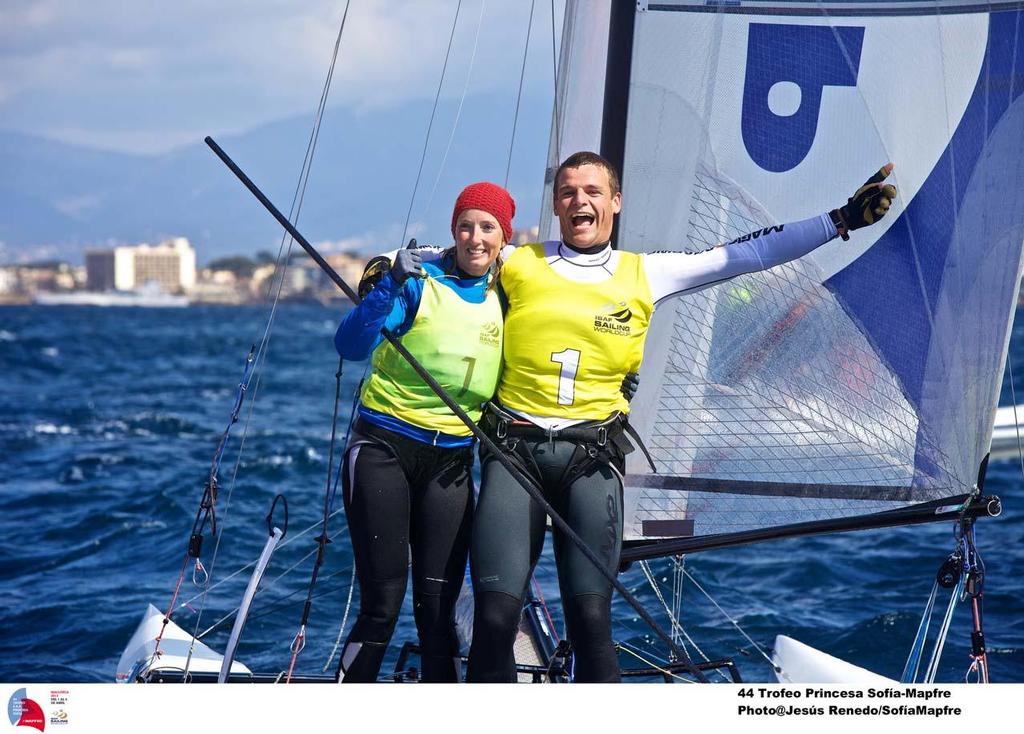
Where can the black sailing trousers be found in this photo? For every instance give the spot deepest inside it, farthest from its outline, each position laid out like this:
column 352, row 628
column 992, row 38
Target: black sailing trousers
column 403, row 495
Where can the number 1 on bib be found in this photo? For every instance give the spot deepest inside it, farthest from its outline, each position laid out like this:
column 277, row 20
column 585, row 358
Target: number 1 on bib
column 569, row 360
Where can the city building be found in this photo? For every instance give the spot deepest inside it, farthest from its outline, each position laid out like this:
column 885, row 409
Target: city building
column 170, row 264
column 99, row 270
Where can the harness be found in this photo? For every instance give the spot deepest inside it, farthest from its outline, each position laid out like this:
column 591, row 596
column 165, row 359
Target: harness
column 597, row 442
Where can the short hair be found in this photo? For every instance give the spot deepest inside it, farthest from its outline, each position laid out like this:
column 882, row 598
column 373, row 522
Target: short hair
column 587, row 158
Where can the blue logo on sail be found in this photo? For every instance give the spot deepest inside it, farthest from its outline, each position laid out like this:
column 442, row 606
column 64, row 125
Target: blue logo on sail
column 812, row 58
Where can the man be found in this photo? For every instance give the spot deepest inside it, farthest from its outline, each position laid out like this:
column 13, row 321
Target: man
column 577, row 313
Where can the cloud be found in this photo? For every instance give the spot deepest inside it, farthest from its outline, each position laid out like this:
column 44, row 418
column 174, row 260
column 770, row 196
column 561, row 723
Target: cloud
column 145, row 76
column 373, row 242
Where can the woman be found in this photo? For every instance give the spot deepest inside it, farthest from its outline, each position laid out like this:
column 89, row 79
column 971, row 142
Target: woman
column 406, row 481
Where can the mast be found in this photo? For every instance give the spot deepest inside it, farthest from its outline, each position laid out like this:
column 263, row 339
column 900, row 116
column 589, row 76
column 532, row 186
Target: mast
column 616, row 88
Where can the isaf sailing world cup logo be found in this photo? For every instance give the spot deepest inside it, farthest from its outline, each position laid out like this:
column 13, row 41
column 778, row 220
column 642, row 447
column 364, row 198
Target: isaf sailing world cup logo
column 23, row 711
column 490, row 334
column 614, row 319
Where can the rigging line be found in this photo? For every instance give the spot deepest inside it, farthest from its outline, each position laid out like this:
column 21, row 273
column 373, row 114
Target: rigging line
column 554, row 76
column 458, row 112
column 940, row 641
column 344, row 621
column 272, row 607
column 913, row 664
column 677, row 586
column 348, row 434
column 267, row 587
column 280, row 601
column 519, row 94
column 298, row 196
column 249, row 565
column 321, row 540
column 430, row 125
column 296, row 207
column 731, row 621
column 332, row 492
column 673, row 621
column 676, row 626
column 206, row 511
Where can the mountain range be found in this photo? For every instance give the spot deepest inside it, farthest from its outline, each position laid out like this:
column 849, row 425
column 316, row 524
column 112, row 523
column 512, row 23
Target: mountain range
column 57, row 199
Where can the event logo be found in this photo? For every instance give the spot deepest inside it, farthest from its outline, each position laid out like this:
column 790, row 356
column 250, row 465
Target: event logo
column 615, row 319
column 23, row 711
column 807, row 57
column 58, row 702
column 490, row 334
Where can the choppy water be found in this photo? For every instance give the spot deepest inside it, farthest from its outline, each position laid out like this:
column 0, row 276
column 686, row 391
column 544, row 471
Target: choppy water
column 108, row 422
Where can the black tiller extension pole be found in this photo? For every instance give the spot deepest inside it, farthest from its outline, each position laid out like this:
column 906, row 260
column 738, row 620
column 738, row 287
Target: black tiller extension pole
column 523, row 479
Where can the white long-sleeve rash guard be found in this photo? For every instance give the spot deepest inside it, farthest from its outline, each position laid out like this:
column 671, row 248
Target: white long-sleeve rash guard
column 676, row 273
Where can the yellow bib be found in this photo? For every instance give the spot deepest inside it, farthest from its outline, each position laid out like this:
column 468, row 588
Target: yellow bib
column 459, row 343
column 569, row 344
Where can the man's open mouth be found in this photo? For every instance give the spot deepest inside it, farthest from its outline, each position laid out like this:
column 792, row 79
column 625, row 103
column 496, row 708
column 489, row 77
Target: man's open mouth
column 582, row 219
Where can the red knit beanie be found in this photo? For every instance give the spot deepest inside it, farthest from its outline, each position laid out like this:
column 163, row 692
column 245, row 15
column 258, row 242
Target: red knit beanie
column 490, row 198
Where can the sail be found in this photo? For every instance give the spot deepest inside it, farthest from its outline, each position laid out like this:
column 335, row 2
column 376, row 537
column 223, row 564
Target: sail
column 863, row 377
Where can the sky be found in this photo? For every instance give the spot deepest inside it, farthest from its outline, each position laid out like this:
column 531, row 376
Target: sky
column 146, row 76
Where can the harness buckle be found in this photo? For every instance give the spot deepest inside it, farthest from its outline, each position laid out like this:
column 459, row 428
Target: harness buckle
column 602, row 436
column 500, row 428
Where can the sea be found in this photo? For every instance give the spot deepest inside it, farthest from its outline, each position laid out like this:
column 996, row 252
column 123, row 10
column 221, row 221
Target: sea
column 110, row 420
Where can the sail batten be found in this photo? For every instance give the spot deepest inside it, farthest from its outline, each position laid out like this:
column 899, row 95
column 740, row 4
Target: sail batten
column 778, row 489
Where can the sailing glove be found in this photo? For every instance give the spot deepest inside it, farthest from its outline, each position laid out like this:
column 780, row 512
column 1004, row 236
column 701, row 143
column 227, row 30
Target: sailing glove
column 630, row 384
column 372, row 274
column 408, row 264
column 868, row 204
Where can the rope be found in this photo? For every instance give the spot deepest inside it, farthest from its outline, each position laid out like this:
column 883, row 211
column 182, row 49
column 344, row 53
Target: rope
column 270, row 585
column 295, row 210
column 344, row 621
column 674, row 624
column 321, row 540
column 458, row 112
column 733, row 622
column 291, row 539
column 519, row 94
column 940, row 641
column 913, row 664
column 554, row 77
column 430, row 125
column 678, row 632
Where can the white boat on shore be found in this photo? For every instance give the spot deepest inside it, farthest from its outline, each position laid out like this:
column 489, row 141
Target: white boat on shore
column 147, row 296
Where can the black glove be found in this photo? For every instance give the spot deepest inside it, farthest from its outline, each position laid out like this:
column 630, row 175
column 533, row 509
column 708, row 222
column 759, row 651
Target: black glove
column 630, row 384
column 868, row 204
column 408, row 264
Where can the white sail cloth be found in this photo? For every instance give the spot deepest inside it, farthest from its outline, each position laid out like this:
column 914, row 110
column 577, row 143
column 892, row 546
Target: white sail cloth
column 864, row 376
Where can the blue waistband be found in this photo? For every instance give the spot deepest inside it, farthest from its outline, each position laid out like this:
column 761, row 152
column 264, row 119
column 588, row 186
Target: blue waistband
column 433, row 438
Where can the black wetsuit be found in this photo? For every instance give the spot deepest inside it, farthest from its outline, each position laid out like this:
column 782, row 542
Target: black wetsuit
column 508, row 536
column 401, row 494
